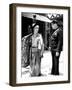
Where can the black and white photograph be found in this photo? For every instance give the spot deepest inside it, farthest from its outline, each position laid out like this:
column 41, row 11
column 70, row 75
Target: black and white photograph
column 42, row 45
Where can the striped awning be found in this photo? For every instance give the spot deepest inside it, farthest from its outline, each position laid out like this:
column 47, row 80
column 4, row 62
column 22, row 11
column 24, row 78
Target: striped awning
column 38, row 17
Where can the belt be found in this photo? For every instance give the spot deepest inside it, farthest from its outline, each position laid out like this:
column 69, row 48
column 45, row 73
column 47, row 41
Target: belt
column 34, row 47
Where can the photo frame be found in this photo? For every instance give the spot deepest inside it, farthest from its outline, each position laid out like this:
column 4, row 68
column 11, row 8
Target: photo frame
column 23, row 19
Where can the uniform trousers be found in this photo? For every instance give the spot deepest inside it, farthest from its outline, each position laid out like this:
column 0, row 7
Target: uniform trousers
column 55, row 63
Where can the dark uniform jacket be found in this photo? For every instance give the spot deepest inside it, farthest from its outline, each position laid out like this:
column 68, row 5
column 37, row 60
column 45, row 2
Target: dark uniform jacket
column 56, row 40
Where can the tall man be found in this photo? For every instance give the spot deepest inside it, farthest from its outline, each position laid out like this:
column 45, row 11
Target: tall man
column 56, row 43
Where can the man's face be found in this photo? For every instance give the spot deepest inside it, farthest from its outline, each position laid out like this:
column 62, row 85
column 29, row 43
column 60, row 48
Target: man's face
column 36, row 29
column 54, row 25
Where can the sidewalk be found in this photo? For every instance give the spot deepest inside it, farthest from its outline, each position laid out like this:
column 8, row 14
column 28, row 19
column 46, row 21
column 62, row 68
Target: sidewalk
column 46, row 64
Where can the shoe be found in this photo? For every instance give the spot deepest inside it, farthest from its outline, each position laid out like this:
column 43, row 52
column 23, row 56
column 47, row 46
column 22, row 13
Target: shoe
column 54, row 73
column 39, row 74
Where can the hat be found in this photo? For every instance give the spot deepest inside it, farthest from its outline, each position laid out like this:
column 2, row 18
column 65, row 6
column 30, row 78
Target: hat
column 54, row 21
column 58, row 22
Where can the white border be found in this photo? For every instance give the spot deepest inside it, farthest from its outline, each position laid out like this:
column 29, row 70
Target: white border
column 18, row 45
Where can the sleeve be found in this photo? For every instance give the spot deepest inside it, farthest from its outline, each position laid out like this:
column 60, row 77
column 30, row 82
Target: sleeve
column 60, row 41
column 41, row 45
column 50, row 41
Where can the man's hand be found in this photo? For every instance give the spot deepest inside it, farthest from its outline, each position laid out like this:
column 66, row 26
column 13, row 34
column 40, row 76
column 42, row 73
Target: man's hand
column 57, row 53
column 41, row 56
column 49, row 48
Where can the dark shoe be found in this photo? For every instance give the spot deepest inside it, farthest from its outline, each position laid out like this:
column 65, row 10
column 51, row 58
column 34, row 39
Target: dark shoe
column 56, row 74
column 52, row 73
column 39, row 74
